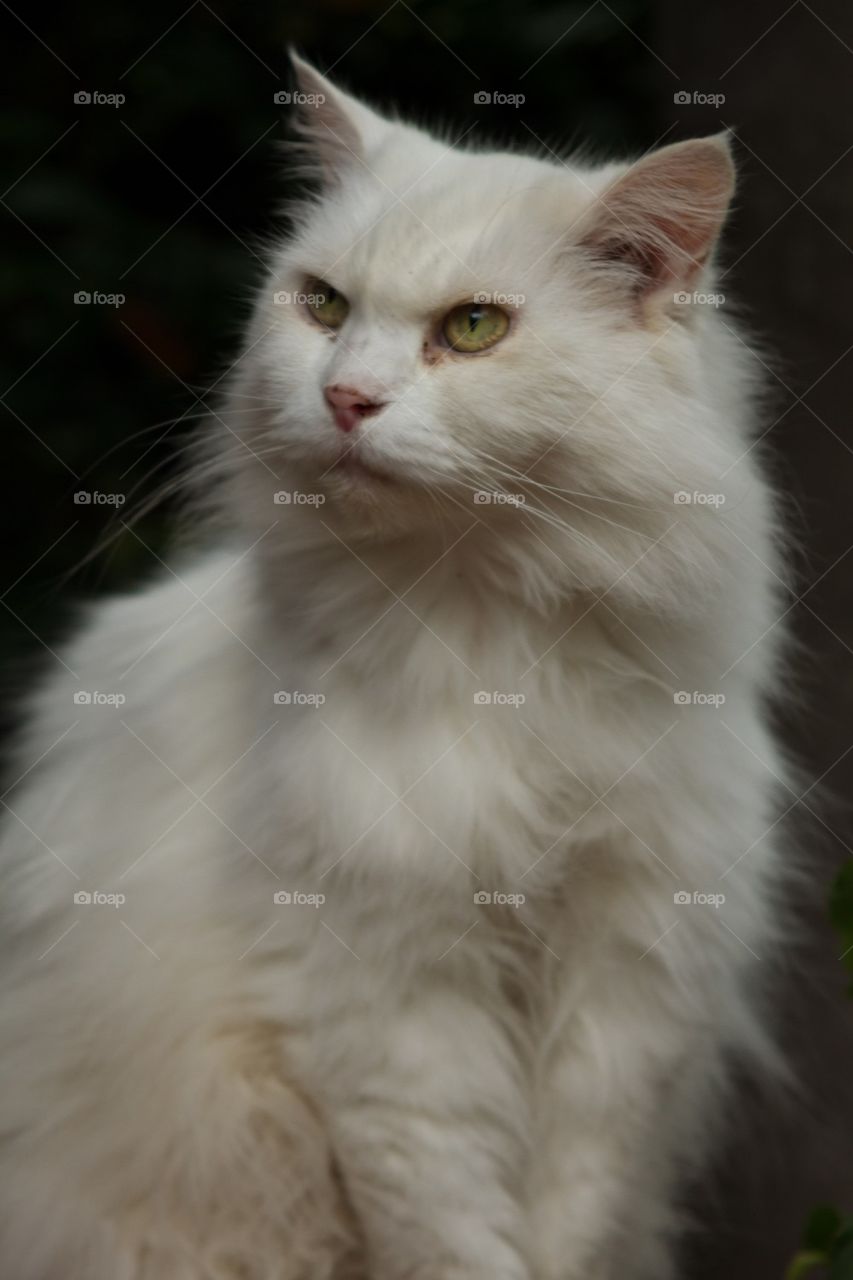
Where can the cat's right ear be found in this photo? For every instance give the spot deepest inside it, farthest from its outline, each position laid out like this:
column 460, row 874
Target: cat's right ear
column 656, row 225
column 333, row 130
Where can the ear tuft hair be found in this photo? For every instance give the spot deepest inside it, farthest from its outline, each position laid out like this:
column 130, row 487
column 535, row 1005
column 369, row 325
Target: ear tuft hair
column 332, row 130
column 662, row 216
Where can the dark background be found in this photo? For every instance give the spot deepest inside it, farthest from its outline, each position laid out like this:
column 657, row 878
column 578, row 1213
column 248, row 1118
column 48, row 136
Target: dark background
column 167, row 198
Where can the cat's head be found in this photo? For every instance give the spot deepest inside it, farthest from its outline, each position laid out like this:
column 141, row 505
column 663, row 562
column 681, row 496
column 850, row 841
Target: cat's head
column 469, row 334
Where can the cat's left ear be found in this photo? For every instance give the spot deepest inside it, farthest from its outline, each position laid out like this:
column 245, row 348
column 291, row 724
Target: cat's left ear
column 658, row 222
column 335, row 130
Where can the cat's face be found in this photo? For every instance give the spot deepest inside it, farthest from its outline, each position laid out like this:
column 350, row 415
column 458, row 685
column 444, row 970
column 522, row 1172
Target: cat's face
column 446, row 323
column 452, row 330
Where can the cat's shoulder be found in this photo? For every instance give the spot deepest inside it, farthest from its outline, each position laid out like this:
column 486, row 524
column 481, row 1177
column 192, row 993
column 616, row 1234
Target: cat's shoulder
column 166, row 650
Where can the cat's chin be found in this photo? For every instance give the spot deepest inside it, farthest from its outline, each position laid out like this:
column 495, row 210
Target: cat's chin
column 376, row 501
column 356, row 474
column 382, row 499
column 365, row 496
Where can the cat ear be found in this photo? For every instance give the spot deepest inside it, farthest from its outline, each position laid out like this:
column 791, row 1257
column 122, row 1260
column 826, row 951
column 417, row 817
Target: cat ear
column 660, row 219
column 333, row 128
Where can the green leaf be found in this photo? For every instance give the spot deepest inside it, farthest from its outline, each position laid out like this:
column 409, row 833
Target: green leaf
column 841, row 1267
column 822, row 1228
column 805, row 1263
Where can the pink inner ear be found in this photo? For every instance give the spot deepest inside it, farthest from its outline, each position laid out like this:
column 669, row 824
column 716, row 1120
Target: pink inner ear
column 662, row 218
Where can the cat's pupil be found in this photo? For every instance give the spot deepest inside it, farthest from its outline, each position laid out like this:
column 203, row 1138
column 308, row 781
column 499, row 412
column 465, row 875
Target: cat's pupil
column 474, row 318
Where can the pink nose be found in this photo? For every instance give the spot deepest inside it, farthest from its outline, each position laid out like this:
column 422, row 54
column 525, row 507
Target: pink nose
column 350, row 404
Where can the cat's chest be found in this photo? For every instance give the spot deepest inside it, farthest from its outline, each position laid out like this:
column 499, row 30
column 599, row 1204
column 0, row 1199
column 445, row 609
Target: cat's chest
column 469, row 784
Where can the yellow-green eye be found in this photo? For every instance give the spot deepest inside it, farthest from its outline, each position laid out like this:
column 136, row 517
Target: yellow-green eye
column 475, row 326
column 326, row 304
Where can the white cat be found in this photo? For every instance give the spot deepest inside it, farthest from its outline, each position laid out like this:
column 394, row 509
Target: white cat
column 390, row 889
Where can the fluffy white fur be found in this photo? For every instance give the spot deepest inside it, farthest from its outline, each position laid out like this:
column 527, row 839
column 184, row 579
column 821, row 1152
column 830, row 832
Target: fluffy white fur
column 402, row 1082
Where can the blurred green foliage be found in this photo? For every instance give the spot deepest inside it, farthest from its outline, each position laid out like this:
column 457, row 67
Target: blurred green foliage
column 166, row 199
column 827, row 1244
column 827, row 1247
